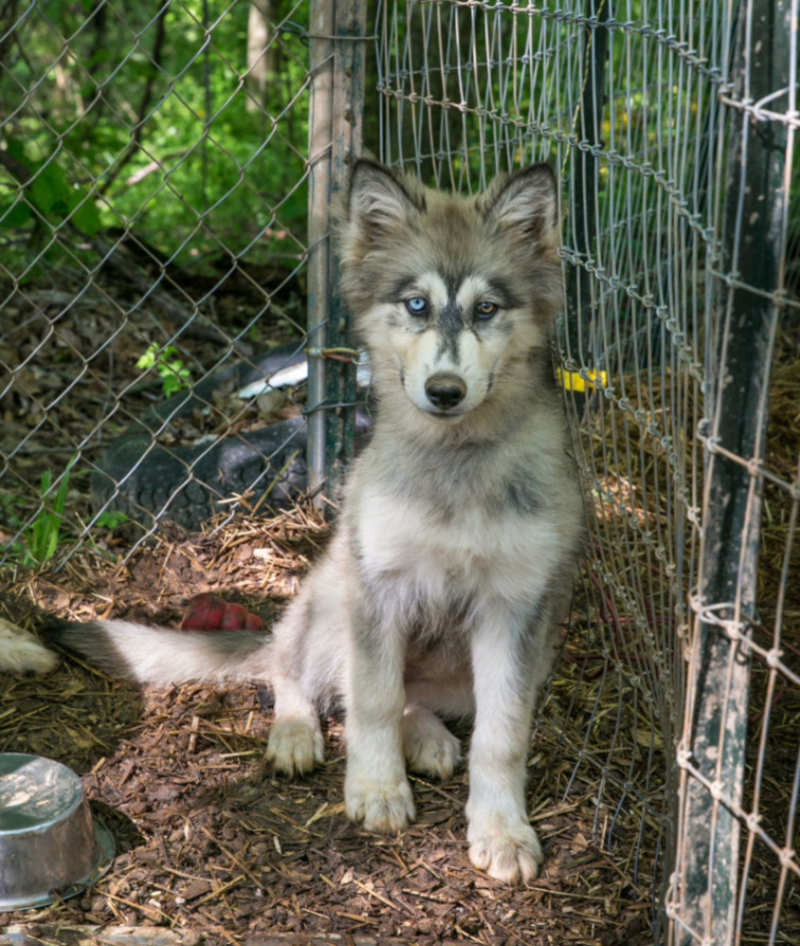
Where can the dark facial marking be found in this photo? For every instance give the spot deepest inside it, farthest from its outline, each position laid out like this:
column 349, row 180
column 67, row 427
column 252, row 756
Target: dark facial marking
column 502, row 293
column 399, row 290
column 451, row 322
column 450, row 325
column 452, row 282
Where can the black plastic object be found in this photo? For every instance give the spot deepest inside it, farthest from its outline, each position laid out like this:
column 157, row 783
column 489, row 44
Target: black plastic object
column 188, row 485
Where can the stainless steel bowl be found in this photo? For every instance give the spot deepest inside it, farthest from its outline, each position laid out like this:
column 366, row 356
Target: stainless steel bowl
column 50, row 847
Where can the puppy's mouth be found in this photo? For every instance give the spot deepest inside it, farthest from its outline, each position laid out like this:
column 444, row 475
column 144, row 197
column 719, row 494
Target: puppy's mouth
column 444, row 416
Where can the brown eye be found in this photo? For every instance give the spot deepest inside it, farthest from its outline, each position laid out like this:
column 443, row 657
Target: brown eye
column 485, row 310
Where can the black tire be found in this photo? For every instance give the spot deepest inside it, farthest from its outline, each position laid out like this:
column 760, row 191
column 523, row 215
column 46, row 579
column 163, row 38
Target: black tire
column 189, row 485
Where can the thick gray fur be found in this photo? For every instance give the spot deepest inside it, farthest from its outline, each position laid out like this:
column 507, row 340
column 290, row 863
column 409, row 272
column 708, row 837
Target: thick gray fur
column 455, row 551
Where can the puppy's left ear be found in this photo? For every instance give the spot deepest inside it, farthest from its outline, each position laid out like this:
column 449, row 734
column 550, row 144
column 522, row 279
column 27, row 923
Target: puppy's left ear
column 525, row 204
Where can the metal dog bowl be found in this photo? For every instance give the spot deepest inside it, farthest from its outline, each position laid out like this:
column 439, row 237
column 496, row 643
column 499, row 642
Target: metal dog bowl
column 50, row 848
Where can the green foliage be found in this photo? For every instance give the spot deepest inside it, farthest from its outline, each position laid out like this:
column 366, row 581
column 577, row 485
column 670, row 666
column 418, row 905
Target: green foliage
column 9, row 504
column 42, row 536
column 208, row 172
column 47, row 195
column 174, row 375
column 110, row 520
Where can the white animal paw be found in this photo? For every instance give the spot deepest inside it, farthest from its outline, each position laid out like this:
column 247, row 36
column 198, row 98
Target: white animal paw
column 429, row 746
column 295, row 745
column 511, row 856
column 384, row 807
column 20, row 652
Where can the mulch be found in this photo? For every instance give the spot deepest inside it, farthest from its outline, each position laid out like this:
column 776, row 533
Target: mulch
column 212, row 845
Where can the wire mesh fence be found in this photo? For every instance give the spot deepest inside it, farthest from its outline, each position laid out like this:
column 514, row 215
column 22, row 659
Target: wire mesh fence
column 672, row 125
column 165, row 182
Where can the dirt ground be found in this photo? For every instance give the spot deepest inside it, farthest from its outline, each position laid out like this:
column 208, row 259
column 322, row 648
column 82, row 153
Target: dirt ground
column 213, row 846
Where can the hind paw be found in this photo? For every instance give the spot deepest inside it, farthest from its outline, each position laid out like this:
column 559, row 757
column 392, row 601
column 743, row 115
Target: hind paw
column 295, row 746
column 429, row 746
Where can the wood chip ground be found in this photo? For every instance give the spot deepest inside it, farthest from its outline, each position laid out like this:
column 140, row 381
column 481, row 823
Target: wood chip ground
column 212, row 845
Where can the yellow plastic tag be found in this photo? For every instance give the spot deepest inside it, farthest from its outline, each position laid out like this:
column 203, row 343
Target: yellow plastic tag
column 572, row 381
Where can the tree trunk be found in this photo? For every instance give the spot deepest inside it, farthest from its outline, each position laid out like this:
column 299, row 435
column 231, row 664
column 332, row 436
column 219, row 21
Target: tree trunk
column 260, row 56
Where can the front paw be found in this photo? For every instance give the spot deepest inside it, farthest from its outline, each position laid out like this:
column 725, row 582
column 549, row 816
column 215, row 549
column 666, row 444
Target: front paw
column 509, row 854
column 385, row 806
column 295, row 746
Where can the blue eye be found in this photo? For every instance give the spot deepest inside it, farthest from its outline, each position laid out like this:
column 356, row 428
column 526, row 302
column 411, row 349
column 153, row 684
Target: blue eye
column 417, row 305
column 486, row 310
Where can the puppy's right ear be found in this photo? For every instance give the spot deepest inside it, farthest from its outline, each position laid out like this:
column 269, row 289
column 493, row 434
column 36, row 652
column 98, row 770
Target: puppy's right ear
column 378, row 201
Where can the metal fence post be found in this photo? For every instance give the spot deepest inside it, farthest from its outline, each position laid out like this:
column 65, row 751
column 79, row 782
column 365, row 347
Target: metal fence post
column 348, row 115
column 320, row 133
column 584, row 200
column 337, row 40
column 739, row 362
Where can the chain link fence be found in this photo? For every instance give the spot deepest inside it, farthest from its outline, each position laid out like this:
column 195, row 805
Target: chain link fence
column 154, row 182
column 170, row 331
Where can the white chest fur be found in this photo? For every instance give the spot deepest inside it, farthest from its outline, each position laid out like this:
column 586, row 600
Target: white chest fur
column 471, row 553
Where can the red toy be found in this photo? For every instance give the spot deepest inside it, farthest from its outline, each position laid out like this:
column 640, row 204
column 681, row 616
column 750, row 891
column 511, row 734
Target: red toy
column 207, row 612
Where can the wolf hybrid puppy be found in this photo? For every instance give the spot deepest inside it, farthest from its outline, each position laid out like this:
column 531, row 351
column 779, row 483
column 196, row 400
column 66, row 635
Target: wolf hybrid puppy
column 453, row 558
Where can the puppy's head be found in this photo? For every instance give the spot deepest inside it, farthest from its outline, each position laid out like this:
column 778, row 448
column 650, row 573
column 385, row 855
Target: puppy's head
column 450, row 293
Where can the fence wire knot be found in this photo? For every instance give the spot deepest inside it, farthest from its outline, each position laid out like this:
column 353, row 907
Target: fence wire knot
column 786, row 856
column 753, row 820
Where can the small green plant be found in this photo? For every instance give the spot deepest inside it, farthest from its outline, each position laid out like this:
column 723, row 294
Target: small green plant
column 43, row 534
column 110, row 520
column 170, row 369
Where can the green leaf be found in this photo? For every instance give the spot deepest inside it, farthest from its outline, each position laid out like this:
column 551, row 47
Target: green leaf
column 148, row 359
column 110, row 520
column 84, row 217
column 49, row 190
column 15, row 149
column 43, row 536
column 14, row 215
column 171, row 384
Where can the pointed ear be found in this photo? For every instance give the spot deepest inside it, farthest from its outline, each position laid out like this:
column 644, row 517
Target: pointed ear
column 525, row 204
column 379, row 201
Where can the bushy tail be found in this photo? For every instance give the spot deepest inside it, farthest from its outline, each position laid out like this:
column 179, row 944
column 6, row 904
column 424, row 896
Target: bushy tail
column 164, row 656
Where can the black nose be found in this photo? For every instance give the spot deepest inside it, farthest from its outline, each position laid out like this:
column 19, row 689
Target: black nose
column 445, row 390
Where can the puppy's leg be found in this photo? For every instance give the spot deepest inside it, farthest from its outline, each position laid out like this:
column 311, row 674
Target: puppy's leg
column 376, row 788
column 305, row 668
column 428, row 744
column 511, row 656
column 295, row 741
